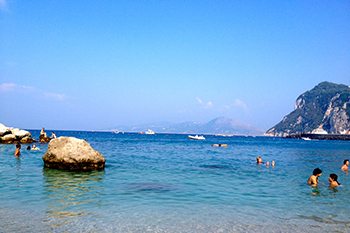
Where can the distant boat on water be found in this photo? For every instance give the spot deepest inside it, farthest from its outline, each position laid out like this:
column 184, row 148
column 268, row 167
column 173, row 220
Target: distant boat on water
column 306, row 139
column 319, row 131
column 149, row 132
column 196, row 137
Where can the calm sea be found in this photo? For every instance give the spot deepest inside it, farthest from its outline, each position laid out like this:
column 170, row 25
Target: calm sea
column 169, row 183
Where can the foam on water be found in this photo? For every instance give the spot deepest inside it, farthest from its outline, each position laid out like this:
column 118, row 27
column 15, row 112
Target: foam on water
column 168, row 183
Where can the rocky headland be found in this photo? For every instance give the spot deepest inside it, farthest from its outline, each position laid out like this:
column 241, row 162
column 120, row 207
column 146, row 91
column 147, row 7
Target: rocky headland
column 14, row 135
column 323, row 110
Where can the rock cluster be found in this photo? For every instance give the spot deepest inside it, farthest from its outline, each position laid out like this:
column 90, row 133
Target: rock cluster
column 14, row 135
column 73, row 154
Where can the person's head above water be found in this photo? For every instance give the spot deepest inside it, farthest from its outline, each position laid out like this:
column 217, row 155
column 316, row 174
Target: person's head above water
column 258, row 159
column 346, row 162
column 317, row 171
column 334, row 177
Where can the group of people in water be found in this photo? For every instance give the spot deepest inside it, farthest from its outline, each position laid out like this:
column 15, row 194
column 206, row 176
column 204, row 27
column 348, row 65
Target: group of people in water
column 333, row 178
column 259, row 161
column 18, row 149
column 42, row 133
column 313, row 180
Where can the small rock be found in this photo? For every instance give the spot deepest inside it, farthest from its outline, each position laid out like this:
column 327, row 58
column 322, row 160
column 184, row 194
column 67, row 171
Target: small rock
column 27, row 140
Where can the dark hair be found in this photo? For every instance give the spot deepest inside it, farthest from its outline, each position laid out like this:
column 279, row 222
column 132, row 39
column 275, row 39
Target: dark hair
column 28, row 147
column 346, row 160
column 18, row 145
column 334, row 177
column 317, row 171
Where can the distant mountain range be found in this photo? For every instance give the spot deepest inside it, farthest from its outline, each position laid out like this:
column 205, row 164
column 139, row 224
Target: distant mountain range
column 220, row 125
column 325, row 108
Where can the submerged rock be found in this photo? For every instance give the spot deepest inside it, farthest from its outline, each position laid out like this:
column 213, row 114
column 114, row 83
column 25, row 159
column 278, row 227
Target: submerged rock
column 73, row 154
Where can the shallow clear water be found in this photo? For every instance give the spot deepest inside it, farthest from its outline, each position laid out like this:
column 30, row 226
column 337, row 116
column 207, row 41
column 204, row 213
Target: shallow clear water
column 169, row 183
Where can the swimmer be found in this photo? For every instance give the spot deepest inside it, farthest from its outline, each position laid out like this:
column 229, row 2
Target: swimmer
column 18, row 152
column 333, row 179
column 28, row 147
column 273, row 163
column 314, row 178
column 35, row 148
column 345, row 166
column 259, row 160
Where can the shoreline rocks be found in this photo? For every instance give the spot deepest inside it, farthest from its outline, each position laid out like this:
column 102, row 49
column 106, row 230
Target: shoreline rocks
column 345, row 137
column 73, row 154
column 14, row 135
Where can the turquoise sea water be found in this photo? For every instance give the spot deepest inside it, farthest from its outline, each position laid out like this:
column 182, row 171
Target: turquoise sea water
column 169, row 183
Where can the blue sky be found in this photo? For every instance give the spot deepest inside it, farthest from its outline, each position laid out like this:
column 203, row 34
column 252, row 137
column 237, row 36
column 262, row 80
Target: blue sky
column 89, row 65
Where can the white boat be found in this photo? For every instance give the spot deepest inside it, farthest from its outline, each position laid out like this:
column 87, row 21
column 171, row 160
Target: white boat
column 306, row 139
column 197, row 137
column 319, row 131
column 149, row 132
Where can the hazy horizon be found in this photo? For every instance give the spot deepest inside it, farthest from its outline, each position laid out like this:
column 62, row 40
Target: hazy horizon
column 93, row 65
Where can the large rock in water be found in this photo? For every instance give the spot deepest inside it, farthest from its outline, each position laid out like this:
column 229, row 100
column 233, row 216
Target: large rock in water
column 73, row 154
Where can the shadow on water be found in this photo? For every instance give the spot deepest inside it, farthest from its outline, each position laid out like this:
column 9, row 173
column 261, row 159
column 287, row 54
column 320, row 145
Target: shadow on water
column 214, row 166
column 149, row 187
column 72, row 194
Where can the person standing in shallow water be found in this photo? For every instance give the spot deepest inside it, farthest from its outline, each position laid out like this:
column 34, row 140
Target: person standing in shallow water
column 18, row 152
column 314, row 178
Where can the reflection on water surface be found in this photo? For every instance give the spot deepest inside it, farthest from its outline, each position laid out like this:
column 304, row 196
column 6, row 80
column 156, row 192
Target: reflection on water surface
column 70, row 194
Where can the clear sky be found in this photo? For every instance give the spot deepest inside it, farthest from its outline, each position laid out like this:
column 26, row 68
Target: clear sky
column 89, row 65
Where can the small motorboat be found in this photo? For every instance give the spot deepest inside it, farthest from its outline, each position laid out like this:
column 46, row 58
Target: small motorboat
column 149, row 132
column 196, row 137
